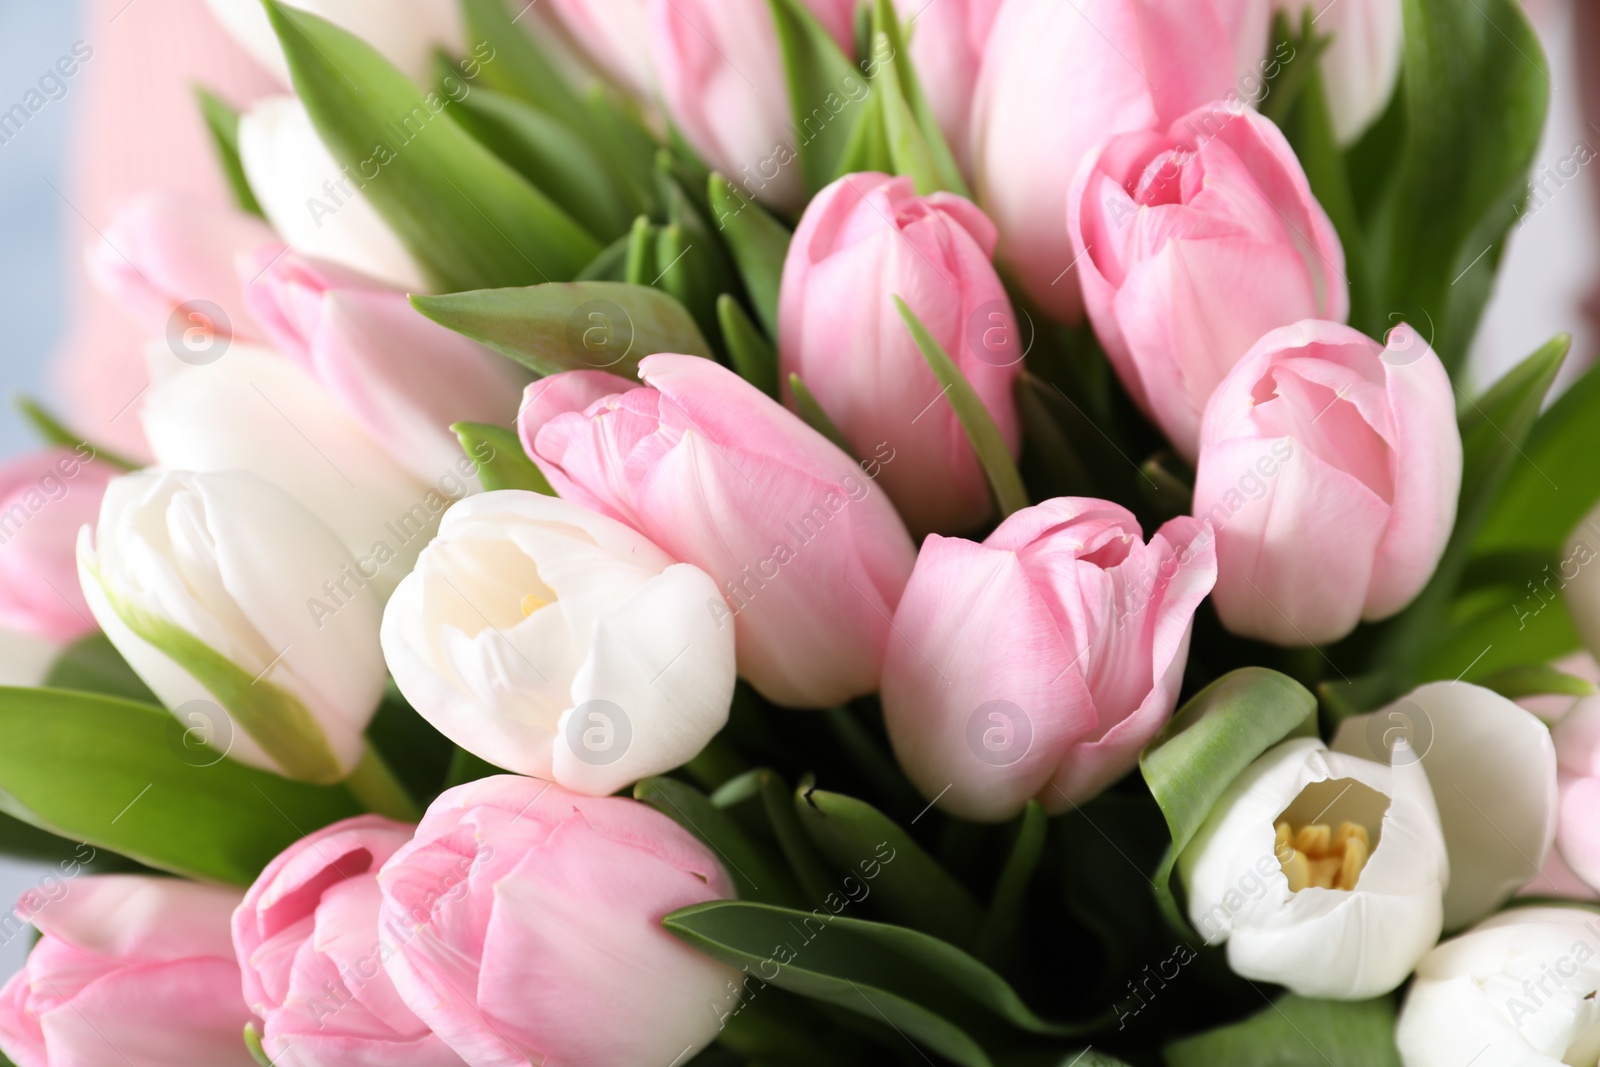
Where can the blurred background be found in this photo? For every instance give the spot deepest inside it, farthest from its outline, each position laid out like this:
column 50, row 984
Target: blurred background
column 64, row 170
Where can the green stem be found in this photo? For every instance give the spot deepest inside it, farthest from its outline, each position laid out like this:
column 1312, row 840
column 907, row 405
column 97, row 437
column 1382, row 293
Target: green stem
column 374, row 784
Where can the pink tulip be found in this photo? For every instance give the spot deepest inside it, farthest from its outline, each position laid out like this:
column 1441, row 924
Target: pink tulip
column 163, row 250
column 722, row 78
column 312, row 951
column 1194, row 243
column 134, row 971
column 1577, row 740
column 1038, row 663
column 947, row 41
column 402, row 378
column 864, row 240
column 45, row 497
column 810, row 558
column 1059, row 79
column 1329, row 467
column 615, row 34
column 532, row 928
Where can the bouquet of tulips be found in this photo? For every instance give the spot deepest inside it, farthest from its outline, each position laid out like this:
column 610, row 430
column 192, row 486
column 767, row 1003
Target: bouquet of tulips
column 816, row 532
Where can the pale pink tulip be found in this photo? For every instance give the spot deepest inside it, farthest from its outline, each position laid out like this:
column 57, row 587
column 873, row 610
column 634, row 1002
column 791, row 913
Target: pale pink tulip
column 1329, row 467
column 1038, row 663
column 615, row 34
column 533, row 928
column 1193, row 243
column 1577, row 739
column 164, row 251
column 947, row 42
column 722, row 78
column 864, row 240
column 45, row 497
column 311, row 948
column 402, row 378
column 132, row 970
column 1056, row 80
column 809, row 555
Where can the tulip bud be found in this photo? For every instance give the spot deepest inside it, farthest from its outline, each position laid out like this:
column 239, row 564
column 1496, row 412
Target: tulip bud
column 1055, row 83
column 166, row 253
column 406, row 32
column 45, row 497
column 1361, row 64
column 1330, row 467
column 253, row 411
column 311, row 948
column 559, row 643
column 528, row 928
column 316, row 205
column 1323, row 872
column 132, row 970
column 1039, row 663
column 1518, row 988
column 864, row 240
column 1193, row 244
column 947, row 42
column 616, row 35
column 401, row 378
column 809, row 558
column 722, row 78
column 207, row 585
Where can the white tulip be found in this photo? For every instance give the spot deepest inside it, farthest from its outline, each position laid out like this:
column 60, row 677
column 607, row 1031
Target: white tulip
column 252, row 410
column 313, row 203
column 201, row 582
column 1361, row 66
column 1492, row 765
column 1519, row 989
column 1347, row 905
column 406, row 32
column 558, row 643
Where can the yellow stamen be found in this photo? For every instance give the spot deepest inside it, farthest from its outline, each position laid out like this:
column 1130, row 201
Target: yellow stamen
column 1316, row 855
column 532, row 603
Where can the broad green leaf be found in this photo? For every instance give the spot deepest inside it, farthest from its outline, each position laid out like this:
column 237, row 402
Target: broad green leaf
column 755, row 875
column 1298, row 1032
column 1506, row 626
column 809, row 867
column 498, row 456
column 470, row 221
column 914, row 890
column 555, row 160
column 1476, row 87
column 816, row 418
column 1003, row 920
column 623, row 141
column 55, row 432
column 93, row 665
column 759, row 243
column 607, row 326
column 915, row 140
column 1536, row 679
column 1006, row 483
column 929, row 989
column 750, row 352
column 222, row 121
column 517, row 66
column 1209, row 743
column 121, row 776
column 824, row 109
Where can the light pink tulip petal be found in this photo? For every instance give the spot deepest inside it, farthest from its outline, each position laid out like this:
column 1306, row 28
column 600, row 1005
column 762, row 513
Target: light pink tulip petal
column 45, row 497
column 284, row 292
column 1578, row 828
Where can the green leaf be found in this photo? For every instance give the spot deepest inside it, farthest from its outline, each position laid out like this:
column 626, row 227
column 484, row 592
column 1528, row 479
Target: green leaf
column 915, row 141
column 92, row 664
column 993, row 456
column 222, row 121
column 813, row 415
column 1209, row 743
column 686, row 276
column 498, row 456
column 557, row 161
column 470, row 221
column 819, row 77
column 755, row 874
column 571, row 326
column 759, row 243
column 914, row 890
column 1298, row 1032
column 640, row 260
column 610, row 264
column 55, row 432
column 1476, row 87
column 408, row 743
column 931, row 991
column 252, row 1043
column 1167, row 485
column 517, row 66
column 751, row 353
column 1536, row 679
column 1003, row 921
column 120, row 776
